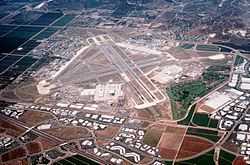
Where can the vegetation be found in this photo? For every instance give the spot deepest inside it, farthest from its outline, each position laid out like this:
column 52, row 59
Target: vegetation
column 202, row 119
column 216, row 74
column 212, row 76
column 187, row 46
column 185, row 94
column 168, row 163
column 226, row 157
column 186, row 121
column 64, row 20
column 153, row 135
column 207, row 134
column 239, row 60
column 208, row 48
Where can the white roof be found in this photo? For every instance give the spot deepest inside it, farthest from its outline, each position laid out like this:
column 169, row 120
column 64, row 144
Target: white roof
column 245, row 86
column 217, row 99
column 240, row 136
column 87, row 92
column 44, row 126
column 235, row 77
column 62, row 105
column 235, row 92
column 245, row 80
column 243, row 127
column 89, row 108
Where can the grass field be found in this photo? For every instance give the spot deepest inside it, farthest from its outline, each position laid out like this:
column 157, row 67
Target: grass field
column 202, row 119
column 225, row 157
column 208, row 48
column 239, row 60
column 64, row 20
column 186, row 121
column 185, row 94
column 186, row 46
column 153, row 135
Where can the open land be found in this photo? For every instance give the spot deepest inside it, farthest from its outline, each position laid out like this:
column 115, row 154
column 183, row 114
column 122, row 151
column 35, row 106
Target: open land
column 124, row 82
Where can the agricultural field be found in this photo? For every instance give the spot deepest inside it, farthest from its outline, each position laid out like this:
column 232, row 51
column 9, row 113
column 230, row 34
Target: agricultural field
column 202, row 119
column 170, row 141
column 205, row 159
column 207, row 134
column 124, row 82
column 76, row 159
column 188, row 150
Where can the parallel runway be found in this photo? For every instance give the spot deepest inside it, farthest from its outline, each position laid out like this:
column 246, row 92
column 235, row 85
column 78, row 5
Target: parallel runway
column 143, row 91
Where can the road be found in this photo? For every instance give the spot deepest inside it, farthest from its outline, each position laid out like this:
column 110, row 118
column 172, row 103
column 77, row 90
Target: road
column 53, row 139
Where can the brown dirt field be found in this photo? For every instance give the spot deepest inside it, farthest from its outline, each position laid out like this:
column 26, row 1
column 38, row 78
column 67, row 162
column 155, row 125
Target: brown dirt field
column 146, row 160
column 153, row 135
column 14, row 154
column 32, row 118
column 2, row 130
column 69, row 133
column 8, row 95
column 109, row 132
column 114, row 77
column 165, row 110
column 18, row 162
column 231, row 146
column 171, row 141
column 144, row 115
column 102, row 142
column 239, row 161
column 27, row 92
column 145, row 124
column 192, row 145
column 175, row 129
column 168, row 153
column 10, row 129
column 205, row 108
column 33, row 147
column 45, row 143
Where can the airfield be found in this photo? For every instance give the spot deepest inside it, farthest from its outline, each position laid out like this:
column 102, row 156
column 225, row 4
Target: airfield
column 124, row 83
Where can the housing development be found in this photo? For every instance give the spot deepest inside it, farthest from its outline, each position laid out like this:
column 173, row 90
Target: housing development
column 120, row 82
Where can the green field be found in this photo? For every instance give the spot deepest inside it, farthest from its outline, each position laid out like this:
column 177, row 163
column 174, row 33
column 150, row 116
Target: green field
column 185, row 94
column 212, row 48
column 46, row 33
column 226, row 157
column 186, row 46
column 215, row 75
column 186, row 121
column 202, row 119
column 168, row 162
column 64, row 20
column 239, row 60
column 208, row 134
